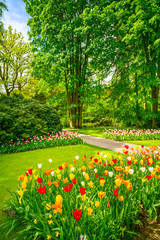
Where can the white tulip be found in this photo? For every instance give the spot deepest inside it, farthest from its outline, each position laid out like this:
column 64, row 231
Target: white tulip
column 77, row 157
column 50, row 160
column 110, row 174
column 72, row 169
column 129, row 158
column 95, row 170
column 84, row 173
column 39, row 165
column 131, row 171
column 101, row 154
column 142, row 169
column 83, row 184
column 105, row 156
column 52, row 173
column 151, row 169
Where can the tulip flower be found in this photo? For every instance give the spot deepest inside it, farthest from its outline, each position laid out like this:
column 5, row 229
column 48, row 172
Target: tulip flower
column 115, row 191
column 74, row 181
column 41, row 190
column 39, row 180
column 83, row 191
column 77, row 214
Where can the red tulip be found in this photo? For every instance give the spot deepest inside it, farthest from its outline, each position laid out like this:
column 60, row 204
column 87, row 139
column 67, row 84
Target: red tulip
column 30, row 171
column 70, row 186
column 129, row 162
column 115, row 191
column 126, row 146
column 41, row 190
column 66, row 188
column 96, row 160
column 39, row 180
column 114, row 160
column 74, row 181
column 60, row 167
column 77, row 214
column 96, row 175
column 108, row 205
column 149, row 177
column 83, row 191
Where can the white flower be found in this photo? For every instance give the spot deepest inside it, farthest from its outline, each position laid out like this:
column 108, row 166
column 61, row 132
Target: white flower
column 83, row 183
column 105, row 156
column 131, row 171
column 77, row 157
column 84, row 173
column 110, row 174
column 151, row 169
column 72, row 169
column 101, row 154
column 126, row 167
column 39, row 165
column 50, row 160
column 95, row 170
column 142, row 169
column 129, row 158
column 52, row 173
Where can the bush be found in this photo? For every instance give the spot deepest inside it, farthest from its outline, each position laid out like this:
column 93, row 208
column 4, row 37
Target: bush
column 23, row 118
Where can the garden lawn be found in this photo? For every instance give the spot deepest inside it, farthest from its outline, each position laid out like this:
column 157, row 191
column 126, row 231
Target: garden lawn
column 15, row 164
column 145, row 142
column 97, row 131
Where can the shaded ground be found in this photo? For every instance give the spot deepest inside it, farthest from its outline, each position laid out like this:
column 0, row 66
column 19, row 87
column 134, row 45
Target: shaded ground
column 150, row 230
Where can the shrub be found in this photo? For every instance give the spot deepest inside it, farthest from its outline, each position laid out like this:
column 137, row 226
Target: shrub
column 23, row 118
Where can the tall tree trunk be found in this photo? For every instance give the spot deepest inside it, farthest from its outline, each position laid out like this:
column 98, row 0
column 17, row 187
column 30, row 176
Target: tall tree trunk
column 155, row 92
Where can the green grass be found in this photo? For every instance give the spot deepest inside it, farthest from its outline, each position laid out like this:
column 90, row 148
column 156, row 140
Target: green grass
column 15, row 164
column 97, row 131
column 145, row 142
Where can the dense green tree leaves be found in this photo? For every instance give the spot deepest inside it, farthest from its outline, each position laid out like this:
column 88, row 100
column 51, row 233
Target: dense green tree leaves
column 69, row 39
column 15, row 65
column 3, row 7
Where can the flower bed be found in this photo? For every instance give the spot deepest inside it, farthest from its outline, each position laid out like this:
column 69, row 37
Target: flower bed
column 123, row 135
column 52, row 140
column 94, row 198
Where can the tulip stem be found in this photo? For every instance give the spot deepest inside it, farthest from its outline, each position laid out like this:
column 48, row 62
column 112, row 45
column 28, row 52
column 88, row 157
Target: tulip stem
column 77, row 230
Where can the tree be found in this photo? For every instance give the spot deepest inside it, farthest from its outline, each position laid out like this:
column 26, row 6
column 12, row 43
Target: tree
column 68, row 38
column 16, row 61
column 137, row 25
column 2, row 8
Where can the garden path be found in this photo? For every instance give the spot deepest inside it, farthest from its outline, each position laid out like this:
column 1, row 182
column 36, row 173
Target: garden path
column 105, row 143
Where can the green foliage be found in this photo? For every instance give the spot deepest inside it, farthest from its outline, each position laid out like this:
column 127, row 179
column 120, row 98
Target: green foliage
column 15, row 65
column 2, row 8
column 21, row 118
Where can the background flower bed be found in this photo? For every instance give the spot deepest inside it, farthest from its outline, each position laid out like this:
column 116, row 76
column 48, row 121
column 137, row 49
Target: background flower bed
column 124, row 135
column 108, row 193
column 52, row 140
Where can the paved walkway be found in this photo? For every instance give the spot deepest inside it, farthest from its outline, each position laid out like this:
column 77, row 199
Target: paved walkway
column 105, row 143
